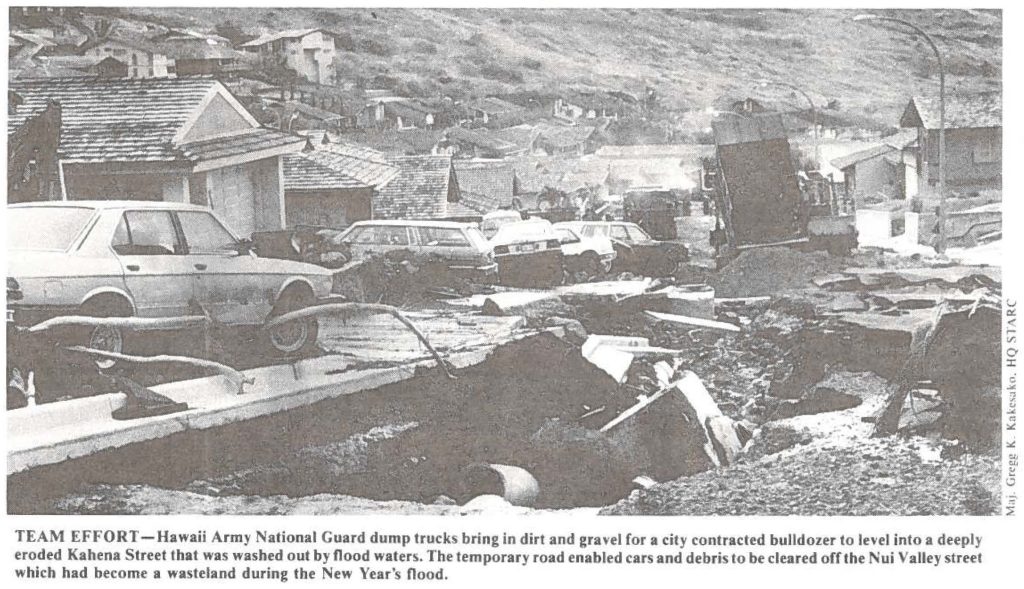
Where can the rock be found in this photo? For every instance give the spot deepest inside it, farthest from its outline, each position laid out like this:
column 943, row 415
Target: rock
column 724, row 438
column 817, row 400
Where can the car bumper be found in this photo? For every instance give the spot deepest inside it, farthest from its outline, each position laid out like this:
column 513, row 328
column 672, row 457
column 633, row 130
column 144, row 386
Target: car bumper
column 486, row 273
column 541, row 268
column 29, row 315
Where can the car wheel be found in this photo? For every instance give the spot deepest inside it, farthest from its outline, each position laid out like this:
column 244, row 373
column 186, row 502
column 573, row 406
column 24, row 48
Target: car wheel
column 294, row 338
column 592, row 264
column 105, row 338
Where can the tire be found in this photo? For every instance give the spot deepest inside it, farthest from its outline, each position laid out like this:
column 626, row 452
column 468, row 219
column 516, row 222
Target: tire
column 295, row 338
column 108, row 339
column 590, row 263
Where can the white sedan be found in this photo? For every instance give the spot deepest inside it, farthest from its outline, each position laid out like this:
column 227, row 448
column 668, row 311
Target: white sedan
column 591, row 254
column 150, row 260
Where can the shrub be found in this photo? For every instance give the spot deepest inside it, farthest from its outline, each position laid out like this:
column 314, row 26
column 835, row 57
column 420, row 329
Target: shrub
column 496, row 72
column 532, row 64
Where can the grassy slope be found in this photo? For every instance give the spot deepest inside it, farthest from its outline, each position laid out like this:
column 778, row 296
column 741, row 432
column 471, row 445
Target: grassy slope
column 692, row 57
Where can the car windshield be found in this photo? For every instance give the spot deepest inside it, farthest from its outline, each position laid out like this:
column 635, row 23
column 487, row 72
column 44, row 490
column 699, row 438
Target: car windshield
column 637, row 234
column 63, row 225
column 477, row 239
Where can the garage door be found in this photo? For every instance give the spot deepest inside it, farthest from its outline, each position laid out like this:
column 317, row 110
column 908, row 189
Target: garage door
column 231, row 196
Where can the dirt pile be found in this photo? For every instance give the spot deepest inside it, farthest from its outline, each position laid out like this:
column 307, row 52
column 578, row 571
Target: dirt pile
column 772, row 271
column 886, row 477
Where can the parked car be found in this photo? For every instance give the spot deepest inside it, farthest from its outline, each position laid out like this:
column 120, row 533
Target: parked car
column 302, row 243
column 528, row 253
column 635, row 250
column 493, row 221
column 593, row 255
column 150, row 259
column 460, row 245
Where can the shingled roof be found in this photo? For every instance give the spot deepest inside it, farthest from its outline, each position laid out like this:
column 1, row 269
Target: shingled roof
column 335, row 166
column 133, row 120
column 422, row 189
column 485, row 186
column 963, row 111
column 862, row 155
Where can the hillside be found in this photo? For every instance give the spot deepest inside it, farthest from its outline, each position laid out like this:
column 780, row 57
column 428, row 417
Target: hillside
column 692, row 57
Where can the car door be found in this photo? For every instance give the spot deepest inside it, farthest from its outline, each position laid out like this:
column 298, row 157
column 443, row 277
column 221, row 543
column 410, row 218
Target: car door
column 156, row 271
column 233, row 287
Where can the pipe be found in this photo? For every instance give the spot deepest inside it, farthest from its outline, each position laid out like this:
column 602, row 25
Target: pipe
column 123, row 322
column 235, row 376
column 353, row 309
column 514, row 484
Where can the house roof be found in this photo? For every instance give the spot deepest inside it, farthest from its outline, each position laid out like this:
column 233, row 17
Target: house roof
column 289, row 34
column 34, row 39
column 963, row 111
column 485, row 186
column 313, row 112
column 484, row 138
column 859, row 156
column 565, row 135
column 132, row 120
column 901, row 139
column 195, row 49
column 259, row 139
column 408, row 109
column 494, row 106
column 337, row 165
column 419, row 191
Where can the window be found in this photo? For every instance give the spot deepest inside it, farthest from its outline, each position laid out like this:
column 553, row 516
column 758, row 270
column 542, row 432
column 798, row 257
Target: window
column 390, row 235
column 63, row 225
column 986, row 151
column 204, row 234
column 442, row 237
column 636, row 234
column 566, row 235
column 594, row 231
column 362, row 235
column 619, row 233
column 146, row 233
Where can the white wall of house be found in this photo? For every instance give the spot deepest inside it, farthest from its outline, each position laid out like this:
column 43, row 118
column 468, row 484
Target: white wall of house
column 247, row 196
column 312, row 57
column 141, row 63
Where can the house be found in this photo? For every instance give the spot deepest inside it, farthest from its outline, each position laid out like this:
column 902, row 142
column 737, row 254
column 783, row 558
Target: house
column 487, row 143
column 494, row 112
column 333, row 185
column 400, row 114
column 200, row 57
column 23, row 46
column 144, row 59
column 310, row 52
column 32, row 172
column 171, row 139
column 565, row 139
column 295, row 116
column 423, row 189
column 881, row 172
column 486, row 186
column 589, row 104
column 974, row 149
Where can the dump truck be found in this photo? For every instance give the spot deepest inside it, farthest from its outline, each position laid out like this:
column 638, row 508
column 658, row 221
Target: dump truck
column 761, row 200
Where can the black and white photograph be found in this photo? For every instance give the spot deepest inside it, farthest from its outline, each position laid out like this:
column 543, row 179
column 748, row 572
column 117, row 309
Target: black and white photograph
column 503, row 261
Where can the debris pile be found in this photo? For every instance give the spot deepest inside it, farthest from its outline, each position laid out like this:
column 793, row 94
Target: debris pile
column 402, row 278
